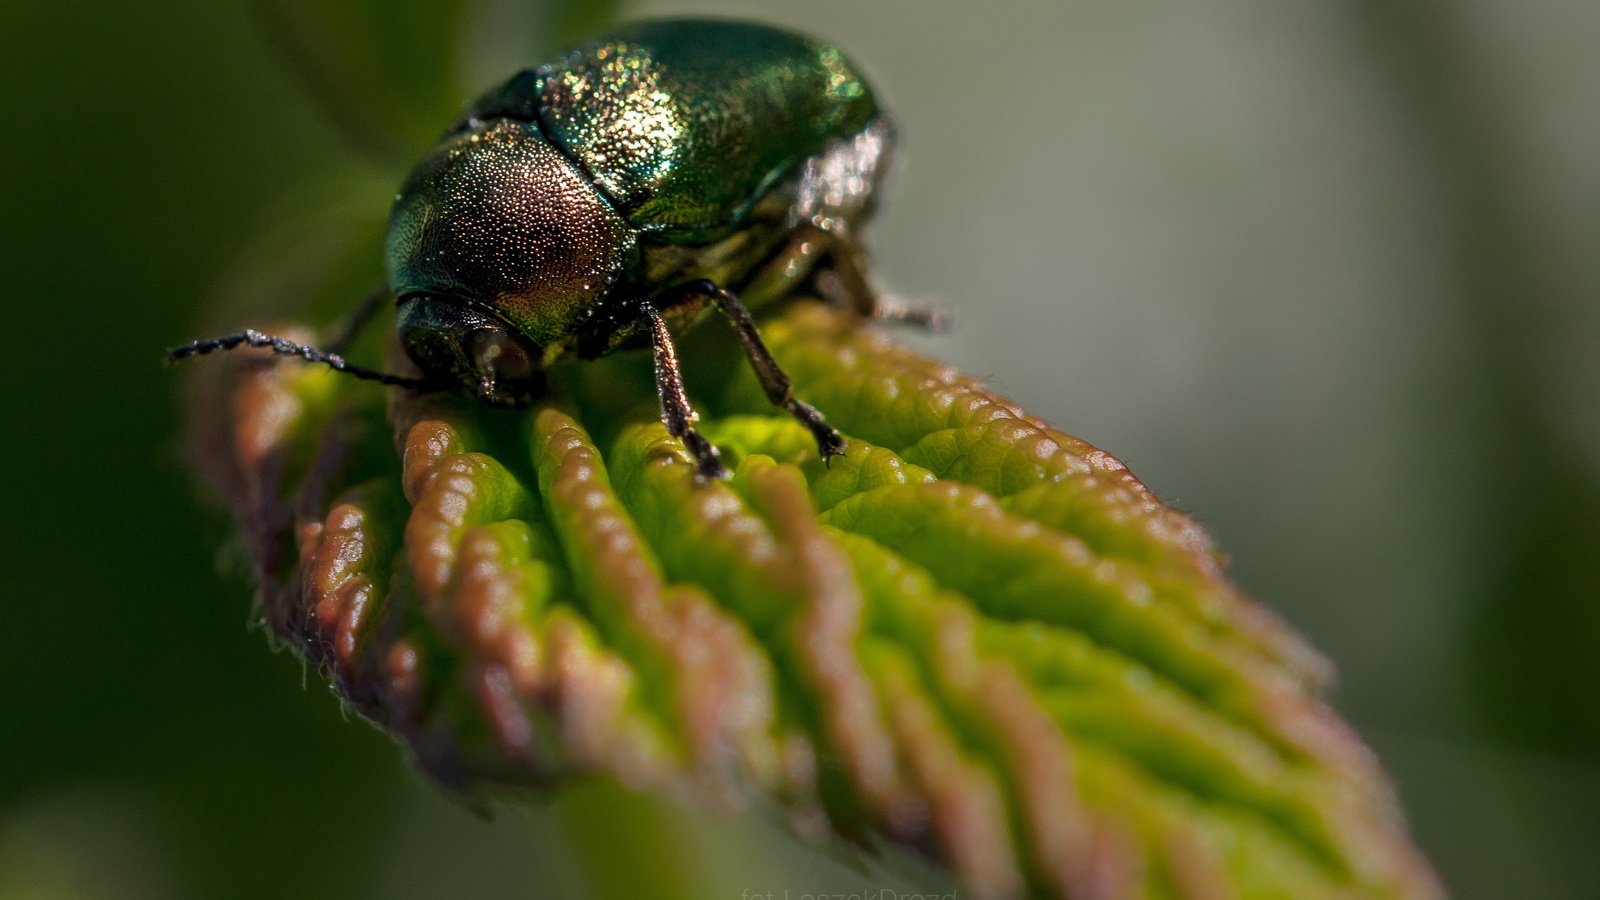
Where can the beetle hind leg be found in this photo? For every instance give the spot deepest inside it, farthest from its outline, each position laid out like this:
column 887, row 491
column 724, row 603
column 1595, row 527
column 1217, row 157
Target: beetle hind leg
column 843, row 281
column 897, row 311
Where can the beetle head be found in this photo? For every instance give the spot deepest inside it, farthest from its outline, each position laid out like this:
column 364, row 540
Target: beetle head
column 498, row 249
column 454, row 342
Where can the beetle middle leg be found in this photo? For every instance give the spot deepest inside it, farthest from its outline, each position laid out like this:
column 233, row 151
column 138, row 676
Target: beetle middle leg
column 676, row 413
column 774, row 382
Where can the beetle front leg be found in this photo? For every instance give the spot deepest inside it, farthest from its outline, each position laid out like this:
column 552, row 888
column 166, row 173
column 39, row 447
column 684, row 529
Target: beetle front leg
column 676, row 413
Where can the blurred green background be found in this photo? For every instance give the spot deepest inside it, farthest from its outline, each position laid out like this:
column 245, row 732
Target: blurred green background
column 1325, row 275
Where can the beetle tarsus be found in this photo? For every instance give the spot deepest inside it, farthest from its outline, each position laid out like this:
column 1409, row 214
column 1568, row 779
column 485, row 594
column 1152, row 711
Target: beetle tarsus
column 846, row 286
column 676, row 413
column 830, row 442
column 708, row 463
column 895, row 311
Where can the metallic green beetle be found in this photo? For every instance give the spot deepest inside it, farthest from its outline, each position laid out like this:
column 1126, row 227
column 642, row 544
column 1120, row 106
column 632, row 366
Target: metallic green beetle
column 609, row 197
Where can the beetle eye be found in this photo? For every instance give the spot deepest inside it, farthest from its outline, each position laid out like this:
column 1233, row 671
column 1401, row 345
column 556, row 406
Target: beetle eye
column 453, row 340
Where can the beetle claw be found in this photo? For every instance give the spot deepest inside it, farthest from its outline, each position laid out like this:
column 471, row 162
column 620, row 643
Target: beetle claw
column 830, row 445
column 711, row 469
column 707, row 461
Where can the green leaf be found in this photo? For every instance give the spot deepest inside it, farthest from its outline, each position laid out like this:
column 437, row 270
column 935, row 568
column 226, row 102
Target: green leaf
column 972, row 635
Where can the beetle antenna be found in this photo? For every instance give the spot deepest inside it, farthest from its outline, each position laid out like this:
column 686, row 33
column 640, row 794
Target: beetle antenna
column 285, row 347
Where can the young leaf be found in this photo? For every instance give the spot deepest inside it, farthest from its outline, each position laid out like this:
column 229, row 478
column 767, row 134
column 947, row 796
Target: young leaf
column 972, row 635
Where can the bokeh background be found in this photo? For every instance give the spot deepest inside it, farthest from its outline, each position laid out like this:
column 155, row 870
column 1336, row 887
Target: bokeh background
column 1324, row 274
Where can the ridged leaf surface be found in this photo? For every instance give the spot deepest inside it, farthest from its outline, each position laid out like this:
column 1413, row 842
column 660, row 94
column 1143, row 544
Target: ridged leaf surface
column 972, row 635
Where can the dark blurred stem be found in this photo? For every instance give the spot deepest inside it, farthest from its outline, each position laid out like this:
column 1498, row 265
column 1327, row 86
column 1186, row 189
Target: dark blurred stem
column 1538, row 609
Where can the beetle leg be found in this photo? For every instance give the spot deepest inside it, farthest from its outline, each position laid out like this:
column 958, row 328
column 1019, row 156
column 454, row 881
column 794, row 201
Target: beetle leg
column 773, row 380
column 787, row 267
column 852, row 289
column 834, row 261
column 848, row 266
column 676, row 413
column 917, row 315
